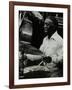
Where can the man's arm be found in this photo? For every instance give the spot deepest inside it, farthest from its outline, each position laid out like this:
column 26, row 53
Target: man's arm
column 58, row 57
column 34, row 57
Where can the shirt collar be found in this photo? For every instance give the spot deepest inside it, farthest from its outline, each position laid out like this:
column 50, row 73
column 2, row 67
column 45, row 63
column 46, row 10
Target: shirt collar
column 56, row 36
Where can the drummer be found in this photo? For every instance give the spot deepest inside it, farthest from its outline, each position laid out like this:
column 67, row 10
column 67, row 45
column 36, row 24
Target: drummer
column 52, row 45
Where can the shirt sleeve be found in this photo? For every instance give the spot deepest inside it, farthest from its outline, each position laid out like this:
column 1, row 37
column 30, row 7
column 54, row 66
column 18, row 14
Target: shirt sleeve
column 58, row 57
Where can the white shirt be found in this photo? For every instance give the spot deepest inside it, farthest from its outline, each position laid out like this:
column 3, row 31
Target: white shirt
column 53, row 47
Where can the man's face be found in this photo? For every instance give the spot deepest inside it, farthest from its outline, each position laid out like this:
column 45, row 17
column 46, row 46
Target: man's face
column 48, row 24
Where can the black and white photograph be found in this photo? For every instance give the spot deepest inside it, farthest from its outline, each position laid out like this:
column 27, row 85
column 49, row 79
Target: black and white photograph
column 39, row 44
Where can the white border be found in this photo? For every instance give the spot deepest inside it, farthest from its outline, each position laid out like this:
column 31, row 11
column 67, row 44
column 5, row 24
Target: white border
column 16, row 35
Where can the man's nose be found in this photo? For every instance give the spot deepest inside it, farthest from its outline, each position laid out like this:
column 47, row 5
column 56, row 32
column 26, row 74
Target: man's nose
column 45, row 26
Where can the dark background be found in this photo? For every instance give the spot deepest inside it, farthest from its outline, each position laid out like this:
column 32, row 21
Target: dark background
column 37, row 26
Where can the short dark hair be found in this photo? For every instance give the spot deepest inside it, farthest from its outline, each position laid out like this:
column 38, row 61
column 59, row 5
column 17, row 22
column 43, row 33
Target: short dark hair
column 55, row 22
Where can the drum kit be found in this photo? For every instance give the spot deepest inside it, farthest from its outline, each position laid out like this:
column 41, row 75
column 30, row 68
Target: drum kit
column 34, row 67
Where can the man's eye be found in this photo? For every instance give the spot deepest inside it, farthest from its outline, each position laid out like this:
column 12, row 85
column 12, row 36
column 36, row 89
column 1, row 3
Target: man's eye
column 47, row 24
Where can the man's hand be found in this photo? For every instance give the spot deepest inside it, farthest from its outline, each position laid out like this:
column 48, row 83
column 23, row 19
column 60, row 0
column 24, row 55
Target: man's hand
column 47, row 59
